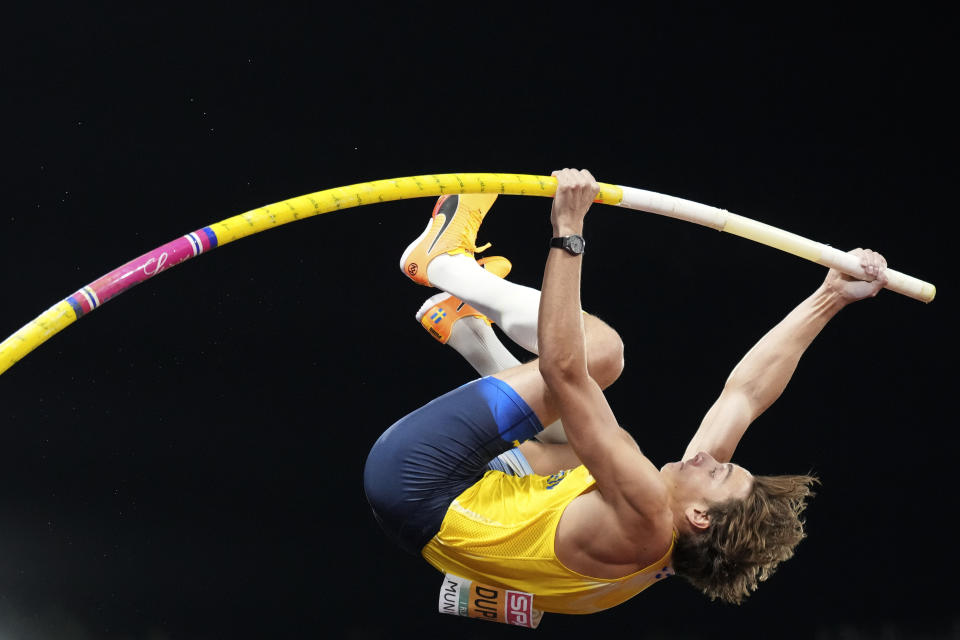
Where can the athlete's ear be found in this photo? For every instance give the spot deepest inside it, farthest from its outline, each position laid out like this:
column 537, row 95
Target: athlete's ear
column 697, row 516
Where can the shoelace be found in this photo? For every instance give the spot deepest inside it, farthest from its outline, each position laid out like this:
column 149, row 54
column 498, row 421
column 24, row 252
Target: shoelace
column 461, row 225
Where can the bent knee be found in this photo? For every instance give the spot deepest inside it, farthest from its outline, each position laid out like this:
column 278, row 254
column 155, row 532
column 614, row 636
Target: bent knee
column 609, row 364
column 605, row 359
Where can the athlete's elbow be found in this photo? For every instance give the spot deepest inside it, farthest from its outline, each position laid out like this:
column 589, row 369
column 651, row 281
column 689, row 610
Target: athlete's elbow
column 561, row 367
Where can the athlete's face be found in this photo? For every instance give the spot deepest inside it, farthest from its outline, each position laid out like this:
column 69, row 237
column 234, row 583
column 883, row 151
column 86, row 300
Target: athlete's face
column 702, row 480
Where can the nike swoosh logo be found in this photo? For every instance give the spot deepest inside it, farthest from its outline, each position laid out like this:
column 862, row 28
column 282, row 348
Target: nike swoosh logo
column 447, row 217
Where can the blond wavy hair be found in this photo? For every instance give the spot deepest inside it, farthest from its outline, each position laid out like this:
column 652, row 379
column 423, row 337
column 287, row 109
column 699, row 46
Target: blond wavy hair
column 747, row 538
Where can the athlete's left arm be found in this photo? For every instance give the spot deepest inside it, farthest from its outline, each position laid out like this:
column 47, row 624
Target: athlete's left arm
column 627, row 480
column 762, row 375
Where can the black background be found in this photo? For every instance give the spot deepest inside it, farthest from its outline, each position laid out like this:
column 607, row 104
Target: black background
column 187, row 462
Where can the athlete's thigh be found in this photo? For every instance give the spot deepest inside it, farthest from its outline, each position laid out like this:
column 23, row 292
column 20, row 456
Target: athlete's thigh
column 526, row 380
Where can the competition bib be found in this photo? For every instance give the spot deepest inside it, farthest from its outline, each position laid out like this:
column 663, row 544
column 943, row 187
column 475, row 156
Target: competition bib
column 462, row 597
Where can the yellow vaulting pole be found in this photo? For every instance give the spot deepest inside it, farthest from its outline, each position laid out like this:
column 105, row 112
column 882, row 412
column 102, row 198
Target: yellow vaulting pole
column 88, row 298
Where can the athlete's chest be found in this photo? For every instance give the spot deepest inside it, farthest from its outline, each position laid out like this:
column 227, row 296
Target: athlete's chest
column 592, row 541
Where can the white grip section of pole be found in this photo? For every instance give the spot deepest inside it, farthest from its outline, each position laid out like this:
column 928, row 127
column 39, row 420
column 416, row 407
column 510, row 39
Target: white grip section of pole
column 723, row 220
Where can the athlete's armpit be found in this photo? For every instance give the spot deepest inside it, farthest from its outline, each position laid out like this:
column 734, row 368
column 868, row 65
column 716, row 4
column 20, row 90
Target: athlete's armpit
column 547, row 459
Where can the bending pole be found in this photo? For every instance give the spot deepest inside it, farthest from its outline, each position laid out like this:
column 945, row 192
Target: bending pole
column 88, row 298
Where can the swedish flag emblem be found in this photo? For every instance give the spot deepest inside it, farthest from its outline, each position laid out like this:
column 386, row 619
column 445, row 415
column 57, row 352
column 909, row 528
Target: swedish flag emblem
column 438, row 315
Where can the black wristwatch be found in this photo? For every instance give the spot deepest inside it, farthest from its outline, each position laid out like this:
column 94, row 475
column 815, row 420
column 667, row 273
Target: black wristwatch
column 573, row 244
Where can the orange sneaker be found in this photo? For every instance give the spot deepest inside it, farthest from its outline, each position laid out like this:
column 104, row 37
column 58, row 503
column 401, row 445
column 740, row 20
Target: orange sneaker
column 452, row 229
column 440, row 312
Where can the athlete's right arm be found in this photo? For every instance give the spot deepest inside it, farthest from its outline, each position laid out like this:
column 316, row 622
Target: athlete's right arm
column 627, row 480
column 763, row 373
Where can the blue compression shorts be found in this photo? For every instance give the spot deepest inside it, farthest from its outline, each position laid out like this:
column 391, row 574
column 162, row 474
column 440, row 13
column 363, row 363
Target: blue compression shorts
column 428, row 458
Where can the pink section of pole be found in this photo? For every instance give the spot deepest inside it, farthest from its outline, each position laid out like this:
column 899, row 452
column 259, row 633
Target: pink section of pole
column 139, row 269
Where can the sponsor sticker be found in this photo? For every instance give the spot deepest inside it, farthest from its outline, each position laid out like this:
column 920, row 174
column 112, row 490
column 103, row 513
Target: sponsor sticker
column 462, row 597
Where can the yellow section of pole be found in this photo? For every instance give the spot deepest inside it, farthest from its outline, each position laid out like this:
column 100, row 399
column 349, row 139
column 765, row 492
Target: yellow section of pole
column 364, row 193
column 36, row 332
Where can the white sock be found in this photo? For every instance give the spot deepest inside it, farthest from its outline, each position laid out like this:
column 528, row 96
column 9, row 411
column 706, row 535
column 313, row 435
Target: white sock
column 513, row 307
column 476, row 341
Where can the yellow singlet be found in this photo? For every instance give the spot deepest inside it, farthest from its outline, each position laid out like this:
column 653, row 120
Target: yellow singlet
column 501, row 532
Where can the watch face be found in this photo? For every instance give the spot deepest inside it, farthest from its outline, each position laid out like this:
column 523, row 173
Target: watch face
column 575, row 244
